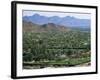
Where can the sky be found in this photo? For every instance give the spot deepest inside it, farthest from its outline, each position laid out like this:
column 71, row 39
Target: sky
column 60, row 14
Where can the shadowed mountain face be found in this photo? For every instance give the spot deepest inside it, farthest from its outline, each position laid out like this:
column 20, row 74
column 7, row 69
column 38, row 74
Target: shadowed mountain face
column 31, row 27
column 65, row 21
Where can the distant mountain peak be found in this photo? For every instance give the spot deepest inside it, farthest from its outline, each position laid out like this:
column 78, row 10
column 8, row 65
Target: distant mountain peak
column 69, row 17
column 64, row 21
column 36, row 14
column 52, row 24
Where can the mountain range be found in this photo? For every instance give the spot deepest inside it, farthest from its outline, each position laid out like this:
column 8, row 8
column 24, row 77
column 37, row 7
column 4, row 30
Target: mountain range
column 32, row 27
column 63, row 21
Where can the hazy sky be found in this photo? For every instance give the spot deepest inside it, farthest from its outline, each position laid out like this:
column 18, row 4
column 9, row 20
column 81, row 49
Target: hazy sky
column 50, row 14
